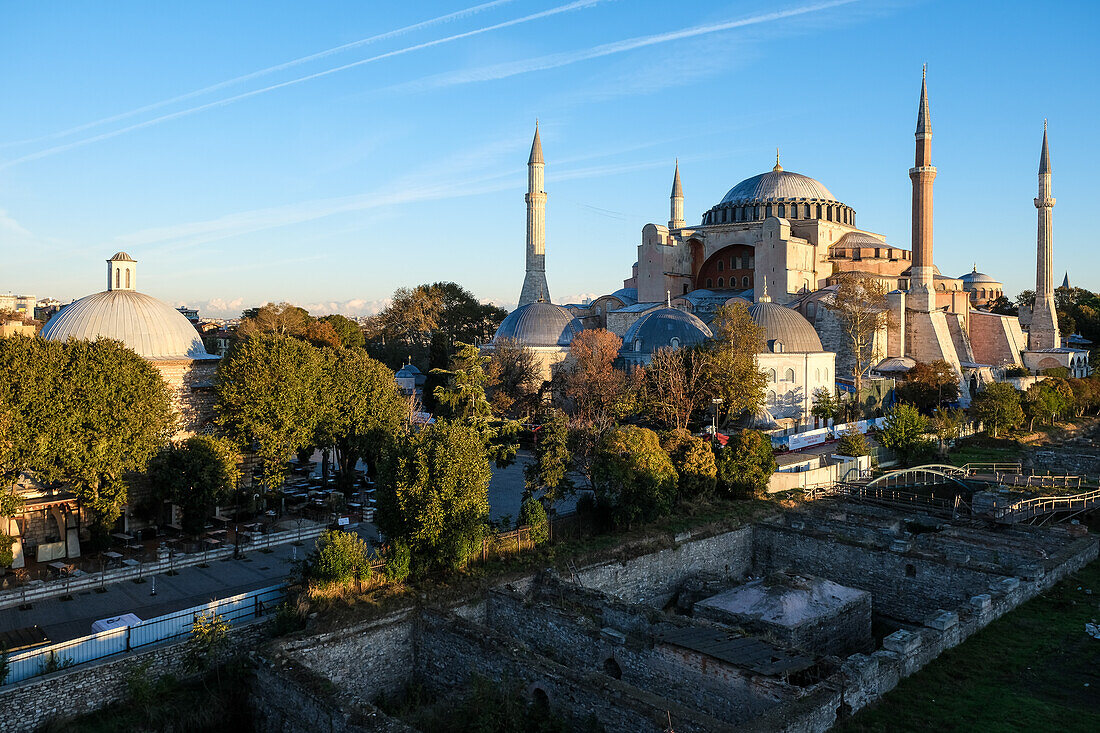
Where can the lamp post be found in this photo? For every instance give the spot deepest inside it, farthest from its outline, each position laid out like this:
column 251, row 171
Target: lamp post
column 716, row 401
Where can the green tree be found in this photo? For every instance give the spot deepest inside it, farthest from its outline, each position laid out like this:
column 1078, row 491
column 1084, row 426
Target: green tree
column 853, row 443
column 361, row 411
column 10, row 505
column 745, row 464
column 463, row 399
column 533, row 514
column 633, row 476
column 731, row 370
column 282, row 319
column 693, row 459
column 351, row 335
column 1047, row 400
column 998, row 407
column 340, row 557
column 826, row 405
column 119, row 414
column 903, row 432
column 268, row 398
column 947, row 424
column 434, row 495
column 548, row 474
column 208, row 641
column 197, row 474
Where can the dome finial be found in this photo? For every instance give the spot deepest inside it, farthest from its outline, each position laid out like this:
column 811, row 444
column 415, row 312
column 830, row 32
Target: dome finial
column 777, row 167
column 763, row 291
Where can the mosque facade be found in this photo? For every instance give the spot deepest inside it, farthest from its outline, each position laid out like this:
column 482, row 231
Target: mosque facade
column 780, row 242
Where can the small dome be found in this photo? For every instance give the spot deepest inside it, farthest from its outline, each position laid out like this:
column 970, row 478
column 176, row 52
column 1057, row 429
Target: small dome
column 540, row 324
column 978, row 277
column 784, row 329
column 121, row 257
column 777, row 185
column 859, row 239
column 155, row 330
column 664, row 328
column 629, row 296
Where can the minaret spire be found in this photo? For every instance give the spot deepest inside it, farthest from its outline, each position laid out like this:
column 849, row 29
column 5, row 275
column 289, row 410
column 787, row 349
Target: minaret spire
column 1043, row 332
column 676, row 203
column 777, row 168
column 534, row 281
column 921, row 289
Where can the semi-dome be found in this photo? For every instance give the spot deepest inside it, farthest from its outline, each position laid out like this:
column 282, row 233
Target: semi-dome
column 664, row 328
column 785, row 329
column 154, row 329
column 777, row 185
column 539, row 324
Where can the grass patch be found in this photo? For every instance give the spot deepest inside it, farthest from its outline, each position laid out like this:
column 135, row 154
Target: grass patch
column 1033, row 669
column 983, row 449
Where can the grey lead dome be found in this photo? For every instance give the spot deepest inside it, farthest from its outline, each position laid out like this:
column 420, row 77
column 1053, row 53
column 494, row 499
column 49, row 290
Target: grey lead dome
column 777, row 186
column 150, row 327
column 539, row 324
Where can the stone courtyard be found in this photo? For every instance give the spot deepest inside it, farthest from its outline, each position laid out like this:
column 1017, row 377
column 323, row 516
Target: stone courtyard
column 791, row 623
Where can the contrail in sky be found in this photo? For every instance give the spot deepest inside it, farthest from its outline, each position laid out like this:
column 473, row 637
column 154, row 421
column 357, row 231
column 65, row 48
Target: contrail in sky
column 553, row 61
column 576, row 5
column 269, row 70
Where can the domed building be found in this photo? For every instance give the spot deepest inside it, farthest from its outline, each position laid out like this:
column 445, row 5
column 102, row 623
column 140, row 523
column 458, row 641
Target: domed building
column 793, row 359
column 662, row 328
column 983, row 289
column 154, row 330
column 544, row 328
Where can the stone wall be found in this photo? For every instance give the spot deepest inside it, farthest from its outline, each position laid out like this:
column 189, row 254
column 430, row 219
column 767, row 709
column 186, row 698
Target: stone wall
column 654, row 579
column 26, row 706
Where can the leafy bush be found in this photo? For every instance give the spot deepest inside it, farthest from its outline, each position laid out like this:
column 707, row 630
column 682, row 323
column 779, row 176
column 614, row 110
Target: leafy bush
column 904, row 432
column 398, row 559
column 209, row 638
column 633, row 476
column 693, row 459
column 533, row 514
column 340, row 558
column 746, row 464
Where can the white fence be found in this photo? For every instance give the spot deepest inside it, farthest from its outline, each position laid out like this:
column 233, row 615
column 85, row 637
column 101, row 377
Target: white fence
column 39, row 590
column 234, row 609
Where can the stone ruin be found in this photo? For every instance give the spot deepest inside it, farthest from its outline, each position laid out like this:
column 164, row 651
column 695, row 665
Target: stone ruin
column 766, row 627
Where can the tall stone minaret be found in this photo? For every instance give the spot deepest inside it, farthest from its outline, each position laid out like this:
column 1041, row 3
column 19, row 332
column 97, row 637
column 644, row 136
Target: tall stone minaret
column 676, row 214
column 1043, row 333
column 922, row 294
column 534, row 282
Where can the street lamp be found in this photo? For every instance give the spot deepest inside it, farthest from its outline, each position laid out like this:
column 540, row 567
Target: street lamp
column 716, row 401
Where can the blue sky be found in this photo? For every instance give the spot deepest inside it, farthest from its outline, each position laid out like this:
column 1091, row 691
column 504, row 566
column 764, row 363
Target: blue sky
column 326, row 153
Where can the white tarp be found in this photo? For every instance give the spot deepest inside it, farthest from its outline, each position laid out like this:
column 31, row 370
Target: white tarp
column 115, row 622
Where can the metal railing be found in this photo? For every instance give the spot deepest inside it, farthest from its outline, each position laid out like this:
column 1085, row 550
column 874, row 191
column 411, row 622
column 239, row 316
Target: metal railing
column 1042, row 505
column 234, row 609
column 40, row 590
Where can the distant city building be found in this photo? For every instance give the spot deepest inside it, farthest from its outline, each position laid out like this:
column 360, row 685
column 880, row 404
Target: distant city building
column 18, row 303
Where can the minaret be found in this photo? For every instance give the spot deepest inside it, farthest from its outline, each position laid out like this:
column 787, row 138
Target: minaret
column 534, row 282
column 677, row 203
column 121, row 272
column 921, row 287
column 1043, row 333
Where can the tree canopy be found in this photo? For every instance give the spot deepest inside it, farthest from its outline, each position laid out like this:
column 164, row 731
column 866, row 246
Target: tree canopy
column 745, row 464
column 861, row 307
column 731, row 372
column 929, row 385
column 197, row 474
column 634, row 478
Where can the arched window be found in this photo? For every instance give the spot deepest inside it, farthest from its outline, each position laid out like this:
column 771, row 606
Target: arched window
column 789, row 376
column 771, row 375
column 769, row 210
column 811, row 310
column 637, row 344
column 745, row 282
column 685, row 288
column 118, row 277
column 817, row 375
column 674, row 342
column 721, row 265
column 782, row 210
column 127, row 278
column 771, row 397
column 710, row 283
column 721, row 281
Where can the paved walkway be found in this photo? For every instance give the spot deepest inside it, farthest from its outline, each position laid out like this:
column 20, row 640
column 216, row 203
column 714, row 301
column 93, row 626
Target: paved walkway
column 64, row 620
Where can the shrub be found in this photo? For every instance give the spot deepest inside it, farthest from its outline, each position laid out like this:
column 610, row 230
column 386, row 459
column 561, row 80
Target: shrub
column 209, row 638
column 398, row 559
column 745, row 465
column 633, row 476
column 533, row 514
column 693, row 459
column 903, row 432
column 340, row 558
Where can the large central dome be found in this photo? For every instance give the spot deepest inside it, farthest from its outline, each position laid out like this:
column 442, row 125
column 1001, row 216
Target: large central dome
column 777, row 185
